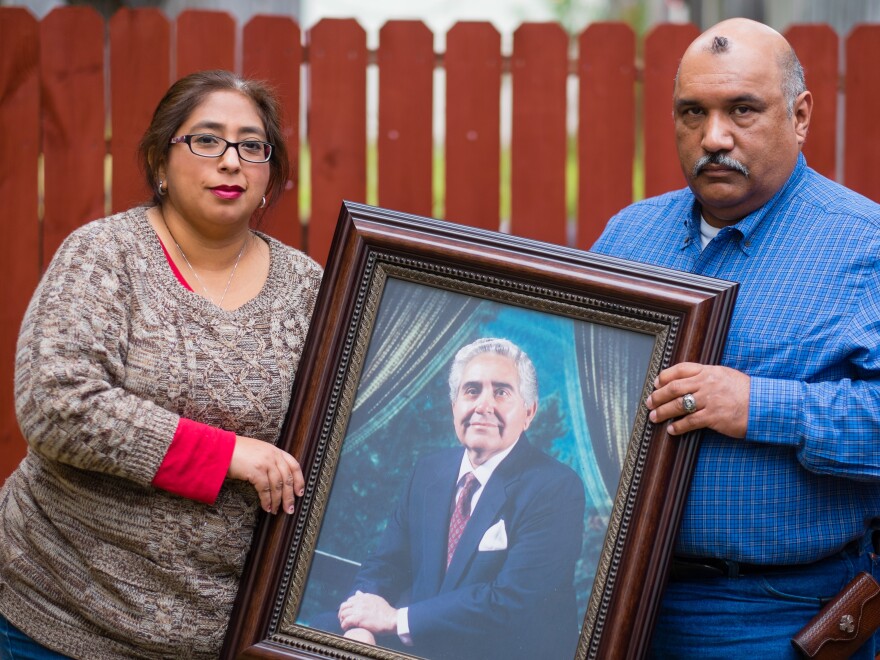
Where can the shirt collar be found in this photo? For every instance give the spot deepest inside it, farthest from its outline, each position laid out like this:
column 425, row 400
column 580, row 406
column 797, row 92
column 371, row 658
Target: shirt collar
column 484, row 471
column 748, row 225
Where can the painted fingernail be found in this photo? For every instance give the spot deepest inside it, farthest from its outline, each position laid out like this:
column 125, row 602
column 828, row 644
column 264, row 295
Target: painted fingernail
column 302, row 491
column 290, row 509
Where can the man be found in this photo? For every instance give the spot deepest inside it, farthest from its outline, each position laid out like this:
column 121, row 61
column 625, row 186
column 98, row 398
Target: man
column 505, row 589
column 787, row 483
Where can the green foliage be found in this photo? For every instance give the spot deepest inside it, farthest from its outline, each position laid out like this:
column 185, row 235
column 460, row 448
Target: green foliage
column 573, row 15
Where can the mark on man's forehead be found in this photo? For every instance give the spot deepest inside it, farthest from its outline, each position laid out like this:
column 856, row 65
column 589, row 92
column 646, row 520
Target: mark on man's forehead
column 719, row 44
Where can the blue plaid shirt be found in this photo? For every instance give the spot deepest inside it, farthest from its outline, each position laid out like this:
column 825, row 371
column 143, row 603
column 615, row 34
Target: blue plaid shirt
column 806, row 328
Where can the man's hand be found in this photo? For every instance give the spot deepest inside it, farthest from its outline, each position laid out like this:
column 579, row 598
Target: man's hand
column 368, row 611
column 274, row 474
column 361, row 635
column 721, row 395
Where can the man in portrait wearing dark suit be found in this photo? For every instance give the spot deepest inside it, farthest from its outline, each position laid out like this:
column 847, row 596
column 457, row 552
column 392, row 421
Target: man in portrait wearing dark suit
column 478, row 559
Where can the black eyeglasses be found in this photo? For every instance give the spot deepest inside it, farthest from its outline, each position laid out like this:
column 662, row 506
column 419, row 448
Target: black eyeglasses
column 211, row 146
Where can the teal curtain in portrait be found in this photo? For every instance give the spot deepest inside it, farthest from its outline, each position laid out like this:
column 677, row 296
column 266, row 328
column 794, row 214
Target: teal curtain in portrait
column 612, row 370
column 414, row 339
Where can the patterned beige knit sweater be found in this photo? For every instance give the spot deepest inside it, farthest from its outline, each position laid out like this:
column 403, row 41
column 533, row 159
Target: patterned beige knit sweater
column 94, row 562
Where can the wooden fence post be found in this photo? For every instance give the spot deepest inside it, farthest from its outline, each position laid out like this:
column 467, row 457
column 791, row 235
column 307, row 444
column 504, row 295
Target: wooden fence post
column 204, row 40
column 337, row 125
column 816, row 47
column 19, row 223
column 473, row 125
column 273, row 52
column 538, row 145
column 606, row 126
column 862, row 109
column 664, row 47
column 72, row 109
column 406, row 104
column 140, row 72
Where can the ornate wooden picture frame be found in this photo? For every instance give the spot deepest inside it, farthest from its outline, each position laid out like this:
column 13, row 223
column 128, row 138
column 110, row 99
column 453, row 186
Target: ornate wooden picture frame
column 401, row 294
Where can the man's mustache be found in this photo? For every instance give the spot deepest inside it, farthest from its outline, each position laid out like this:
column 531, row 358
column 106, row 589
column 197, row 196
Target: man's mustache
column 482, row 418
column 719, row 158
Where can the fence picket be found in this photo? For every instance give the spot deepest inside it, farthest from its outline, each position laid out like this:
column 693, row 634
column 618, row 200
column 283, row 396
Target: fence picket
column 406, row 96
column 204, row 40
column 20, row 266
column 273, row 52
column 862, row 109
column 816, row 47
column 72, row 72
column 473, row 128
column 664, row 47
column 606, row 126
column 140, row 56
column 337, row 125
column 539, row 68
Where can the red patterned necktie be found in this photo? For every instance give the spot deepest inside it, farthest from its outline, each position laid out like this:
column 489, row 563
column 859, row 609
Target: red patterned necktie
column 461, row 513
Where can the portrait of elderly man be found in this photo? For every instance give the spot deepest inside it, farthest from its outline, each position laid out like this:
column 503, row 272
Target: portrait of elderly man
column 478, row 559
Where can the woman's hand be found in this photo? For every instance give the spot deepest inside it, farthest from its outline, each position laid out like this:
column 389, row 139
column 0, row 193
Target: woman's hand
column 274, row 473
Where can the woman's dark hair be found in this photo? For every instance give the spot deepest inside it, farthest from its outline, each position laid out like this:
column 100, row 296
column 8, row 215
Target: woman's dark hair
column 184, row 96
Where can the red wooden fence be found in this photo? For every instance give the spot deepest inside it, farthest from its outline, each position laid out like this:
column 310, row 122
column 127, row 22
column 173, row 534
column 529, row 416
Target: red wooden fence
column 57, row 77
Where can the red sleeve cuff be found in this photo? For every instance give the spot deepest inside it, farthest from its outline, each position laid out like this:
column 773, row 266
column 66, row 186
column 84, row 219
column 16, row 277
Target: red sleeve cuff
column 197, row 461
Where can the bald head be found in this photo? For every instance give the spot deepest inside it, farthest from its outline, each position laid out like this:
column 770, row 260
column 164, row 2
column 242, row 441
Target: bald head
column 745, row 35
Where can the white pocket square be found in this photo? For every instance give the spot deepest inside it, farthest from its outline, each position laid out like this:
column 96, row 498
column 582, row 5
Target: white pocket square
column 495, row 538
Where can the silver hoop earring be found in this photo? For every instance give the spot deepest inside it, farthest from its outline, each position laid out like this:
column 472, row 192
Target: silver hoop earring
column 162, row 191
column 263, row 202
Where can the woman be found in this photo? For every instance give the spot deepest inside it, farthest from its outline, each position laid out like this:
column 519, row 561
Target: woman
column 153, row 371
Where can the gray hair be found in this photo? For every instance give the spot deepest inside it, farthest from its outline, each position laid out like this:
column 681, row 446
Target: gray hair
column 528, row 378
column 793, row 81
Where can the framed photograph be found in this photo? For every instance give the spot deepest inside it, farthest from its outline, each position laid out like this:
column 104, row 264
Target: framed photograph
column 436, row 350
